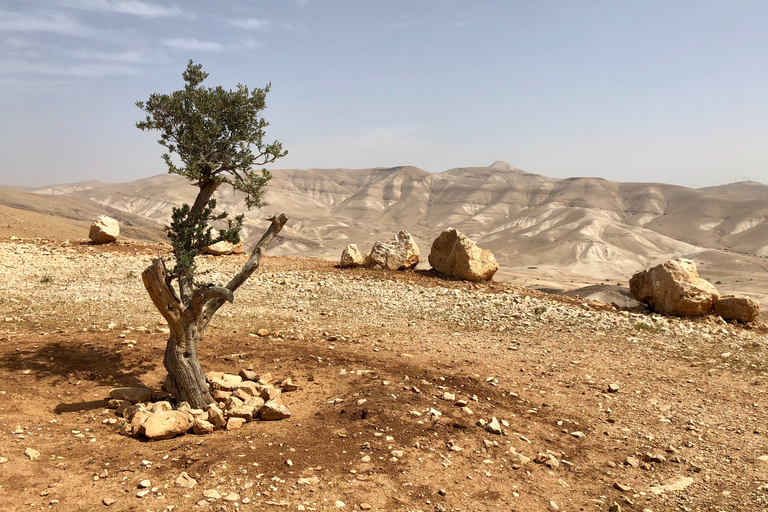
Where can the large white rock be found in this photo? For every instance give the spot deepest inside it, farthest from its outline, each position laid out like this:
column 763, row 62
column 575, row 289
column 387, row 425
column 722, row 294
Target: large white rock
column 455, row 255
column 104, row 230
column 674, row 288
column 400, row 253
column 223, row 247
column 351, row 257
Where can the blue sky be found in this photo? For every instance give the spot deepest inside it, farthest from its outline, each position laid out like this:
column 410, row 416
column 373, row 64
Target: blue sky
column 668, row 91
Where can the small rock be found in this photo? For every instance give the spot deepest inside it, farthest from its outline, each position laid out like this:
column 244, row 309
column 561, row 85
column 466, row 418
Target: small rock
column 108, row 500
column 365, row 506
column 340, row 504
column 621, row 487
column 632, row 461
column 31, row 453
column 186, row 481
column 613, row 388
column 263, row 332
column 553, row 507
column 272, row 410
column 494, row 427
column 232, row 496
column 212, row 493
column 145, row 484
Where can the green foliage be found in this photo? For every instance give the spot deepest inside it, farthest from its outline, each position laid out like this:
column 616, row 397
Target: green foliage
column 130, row 275
column 217, row 136
column 213, row 132
column 46, row 279
column 189, row 234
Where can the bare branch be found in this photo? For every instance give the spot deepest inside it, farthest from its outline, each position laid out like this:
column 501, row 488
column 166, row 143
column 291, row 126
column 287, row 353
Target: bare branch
column 205, row 293
column 250, row 267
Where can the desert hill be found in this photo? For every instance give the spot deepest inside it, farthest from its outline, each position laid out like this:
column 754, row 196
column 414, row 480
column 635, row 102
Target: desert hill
column 575, row 229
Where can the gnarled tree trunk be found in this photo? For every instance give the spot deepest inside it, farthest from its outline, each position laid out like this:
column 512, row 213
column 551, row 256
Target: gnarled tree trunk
column 188, row 317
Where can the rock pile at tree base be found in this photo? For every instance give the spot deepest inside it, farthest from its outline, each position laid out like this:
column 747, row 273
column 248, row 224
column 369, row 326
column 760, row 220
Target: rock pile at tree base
column 239, row 400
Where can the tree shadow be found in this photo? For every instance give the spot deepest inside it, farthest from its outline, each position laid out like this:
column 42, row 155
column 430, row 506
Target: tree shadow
column 59, row 361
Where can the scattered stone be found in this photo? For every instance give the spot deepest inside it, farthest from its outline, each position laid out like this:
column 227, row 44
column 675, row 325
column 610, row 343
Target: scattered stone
column 215, row 415
column 494, row 427
column 108, row 501
column 186, row 481
column 31, row 453
column 104, row 230
column 365, row 506
column 622, row 487
column 553, row 507
column 145, row 484
column 340, row 504
column 312, row 480
column 351, row 257
column 632, row 461
column 232, row 496
column 674, row 288
column 247, row 375
column 288, row 385
column 677, row 483
column 212, row 494
column 263, row 332
column 455, row 255
column 613, row 388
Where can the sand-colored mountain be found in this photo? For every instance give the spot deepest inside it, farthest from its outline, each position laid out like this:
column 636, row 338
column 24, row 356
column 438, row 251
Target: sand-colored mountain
column 569, row 229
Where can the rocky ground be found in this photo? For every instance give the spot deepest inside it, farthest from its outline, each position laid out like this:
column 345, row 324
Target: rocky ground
column 598, row 408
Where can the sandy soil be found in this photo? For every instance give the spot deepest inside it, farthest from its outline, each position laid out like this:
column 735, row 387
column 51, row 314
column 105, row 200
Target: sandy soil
column 373, row 353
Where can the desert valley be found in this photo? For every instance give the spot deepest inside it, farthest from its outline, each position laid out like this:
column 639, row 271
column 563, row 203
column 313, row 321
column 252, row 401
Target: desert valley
column 547, row 388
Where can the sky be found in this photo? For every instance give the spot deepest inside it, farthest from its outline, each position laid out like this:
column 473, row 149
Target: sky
column 652, row 91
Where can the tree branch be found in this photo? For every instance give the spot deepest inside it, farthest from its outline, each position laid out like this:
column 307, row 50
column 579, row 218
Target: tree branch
column 249, row 268
column 155, row 278
column 206, row 293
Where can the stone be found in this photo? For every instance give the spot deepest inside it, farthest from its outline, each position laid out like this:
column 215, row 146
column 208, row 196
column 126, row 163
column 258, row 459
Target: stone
column 223, row 247
column 270, row 393
column 351, row 257
column 234, row 423
column 201, row 427
column 455, row 255
column 243, row 393
column 365, row 506
column 212, row 494
column 494, row 427
column 553, row 507
column 185, row 481
column 340, row 504
column 221, row 395
column 247, row 375
column 621, row 487
column 145, row 484
column 674, row 288
column 613, row 388
column 737, row 307
column 31, row 453
column 677, row 483
column 132, row 394
column 262, row 332
column 108, row 501
column 104, row 230
column 215, row 415
column 232, row 496
column 632, row 461
column 166, row 424
column 399, row 253
column 241, row 411
column 272, row 411
column 160, row 407
column 288, row 385
column 312, row 480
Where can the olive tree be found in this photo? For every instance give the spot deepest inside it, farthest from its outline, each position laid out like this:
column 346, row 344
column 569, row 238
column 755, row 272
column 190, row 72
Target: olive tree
column 213, row 136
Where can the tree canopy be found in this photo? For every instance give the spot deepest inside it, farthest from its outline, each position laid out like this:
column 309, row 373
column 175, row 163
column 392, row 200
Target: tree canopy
column 217, row 135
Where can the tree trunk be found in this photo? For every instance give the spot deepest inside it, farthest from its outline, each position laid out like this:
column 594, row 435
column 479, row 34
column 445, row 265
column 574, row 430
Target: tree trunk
column 188, row 318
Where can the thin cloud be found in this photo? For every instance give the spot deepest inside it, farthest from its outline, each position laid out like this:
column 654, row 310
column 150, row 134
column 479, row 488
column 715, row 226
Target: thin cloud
column 126, row 56
column 261, row 25
column 52, row 22
column 132, row 7
column 83, row 70
column 193, row 44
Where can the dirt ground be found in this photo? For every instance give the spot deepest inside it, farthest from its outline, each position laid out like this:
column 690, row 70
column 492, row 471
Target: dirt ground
column 373, row 354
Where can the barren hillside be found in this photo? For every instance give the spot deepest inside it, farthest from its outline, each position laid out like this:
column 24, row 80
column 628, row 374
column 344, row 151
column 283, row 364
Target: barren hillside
column 573, row 231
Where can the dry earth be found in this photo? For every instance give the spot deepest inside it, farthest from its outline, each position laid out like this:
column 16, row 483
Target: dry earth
column 373, row 353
